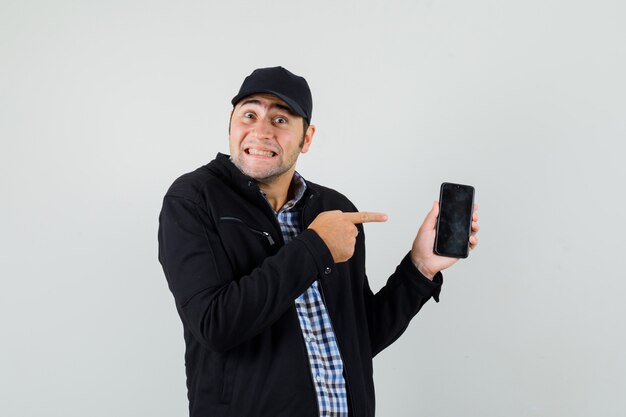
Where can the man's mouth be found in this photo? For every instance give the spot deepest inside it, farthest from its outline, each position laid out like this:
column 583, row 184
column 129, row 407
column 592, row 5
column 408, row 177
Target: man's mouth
column 260, row 152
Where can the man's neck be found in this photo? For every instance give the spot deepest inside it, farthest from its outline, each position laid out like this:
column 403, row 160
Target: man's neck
column 277, row 192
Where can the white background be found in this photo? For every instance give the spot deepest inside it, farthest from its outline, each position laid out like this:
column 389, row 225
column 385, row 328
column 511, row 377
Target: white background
column 104, row 103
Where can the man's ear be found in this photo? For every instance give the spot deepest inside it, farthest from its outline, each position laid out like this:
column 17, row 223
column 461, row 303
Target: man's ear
column 308, row 138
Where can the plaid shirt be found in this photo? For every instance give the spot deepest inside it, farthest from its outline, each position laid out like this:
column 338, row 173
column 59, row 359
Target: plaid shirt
column 321, row 345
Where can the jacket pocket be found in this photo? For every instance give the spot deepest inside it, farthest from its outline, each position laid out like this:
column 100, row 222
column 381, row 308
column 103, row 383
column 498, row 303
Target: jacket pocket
column 229, row 376
column 259, row 233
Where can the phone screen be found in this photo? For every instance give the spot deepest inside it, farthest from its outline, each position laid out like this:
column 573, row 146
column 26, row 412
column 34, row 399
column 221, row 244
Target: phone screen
column 454, row 223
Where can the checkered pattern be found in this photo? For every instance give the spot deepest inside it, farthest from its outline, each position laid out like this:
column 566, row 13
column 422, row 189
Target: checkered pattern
column 324, row 357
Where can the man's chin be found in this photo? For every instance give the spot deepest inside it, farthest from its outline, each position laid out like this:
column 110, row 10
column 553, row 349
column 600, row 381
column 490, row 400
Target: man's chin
column 258, row 174
column 256, row 170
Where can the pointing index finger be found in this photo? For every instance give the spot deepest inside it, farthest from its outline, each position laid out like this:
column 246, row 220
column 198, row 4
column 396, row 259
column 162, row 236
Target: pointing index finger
column 366, row 217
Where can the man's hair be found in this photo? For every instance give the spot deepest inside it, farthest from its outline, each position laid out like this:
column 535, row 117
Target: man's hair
column 305, row 126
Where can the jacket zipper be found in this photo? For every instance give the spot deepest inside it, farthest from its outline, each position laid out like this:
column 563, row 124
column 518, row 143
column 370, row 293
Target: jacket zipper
column 321, row 288
column 258, row 232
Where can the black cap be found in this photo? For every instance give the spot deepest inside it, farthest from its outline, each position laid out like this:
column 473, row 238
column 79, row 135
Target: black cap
column 290, row 88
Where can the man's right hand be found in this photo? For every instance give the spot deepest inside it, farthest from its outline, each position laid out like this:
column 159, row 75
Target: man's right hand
column 338, row 230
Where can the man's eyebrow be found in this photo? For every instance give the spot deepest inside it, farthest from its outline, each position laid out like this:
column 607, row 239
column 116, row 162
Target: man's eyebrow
column 273, row 105
column 250, row 101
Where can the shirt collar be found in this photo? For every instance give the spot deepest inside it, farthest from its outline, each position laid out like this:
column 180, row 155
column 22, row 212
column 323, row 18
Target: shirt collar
column 298, row 187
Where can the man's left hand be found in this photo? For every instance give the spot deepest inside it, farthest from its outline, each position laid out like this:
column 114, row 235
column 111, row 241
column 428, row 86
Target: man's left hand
column 422, row 253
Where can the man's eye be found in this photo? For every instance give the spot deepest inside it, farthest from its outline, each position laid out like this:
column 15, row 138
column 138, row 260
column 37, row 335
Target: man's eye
column 248, row 115
column 280, row 120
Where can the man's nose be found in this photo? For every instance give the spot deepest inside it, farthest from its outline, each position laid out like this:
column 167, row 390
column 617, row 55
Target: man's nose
column 263, row 129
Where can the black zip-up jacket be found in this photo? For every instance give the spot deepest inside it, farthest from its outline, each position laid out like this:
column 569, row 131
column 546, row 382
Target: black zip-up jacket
column 234, row 283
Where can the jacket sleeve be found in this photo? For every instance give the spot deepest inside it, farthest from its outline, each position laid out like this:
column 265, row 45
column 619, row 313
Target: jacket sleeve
column 220, row 310
column 391, row 309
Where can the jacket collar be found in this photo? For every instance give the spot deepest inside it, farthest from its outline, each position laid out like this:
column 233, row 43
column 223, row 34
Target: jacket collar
column 228, row 172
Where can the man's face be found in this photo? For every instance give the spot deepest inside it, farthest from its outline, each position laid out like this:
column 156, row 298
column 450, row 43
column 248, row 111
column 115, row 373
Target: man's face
column 266, row 138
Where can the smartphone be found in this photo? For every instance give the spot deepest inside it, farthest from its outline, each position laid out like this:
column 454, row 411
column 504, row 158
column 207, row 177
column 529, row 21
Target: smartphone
column 454, row 224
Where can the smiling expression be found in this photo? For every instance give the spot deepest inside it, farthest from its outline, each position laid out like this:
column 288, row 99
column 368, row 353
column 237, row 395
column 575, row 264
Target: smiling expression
column 266, row 138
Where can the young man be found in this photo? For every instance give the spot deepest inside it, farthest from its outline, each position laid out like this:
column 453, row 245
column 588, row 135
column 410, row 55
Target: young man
column 268, row 271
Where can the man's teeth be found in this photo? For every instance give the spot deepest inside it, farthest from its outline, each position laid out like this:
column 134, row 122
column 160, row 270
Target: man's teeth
column 260, row 153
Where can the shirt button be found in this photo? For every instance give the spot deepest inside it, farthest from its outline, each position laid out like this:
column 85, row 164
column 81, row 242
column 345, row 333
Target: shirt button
column 328, row 270
column 318, row 378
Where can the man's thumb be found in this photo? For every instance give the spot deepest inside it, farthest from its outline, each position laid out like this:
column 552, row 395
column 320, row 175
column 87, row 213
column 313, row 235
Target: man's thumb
column 431, row 218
